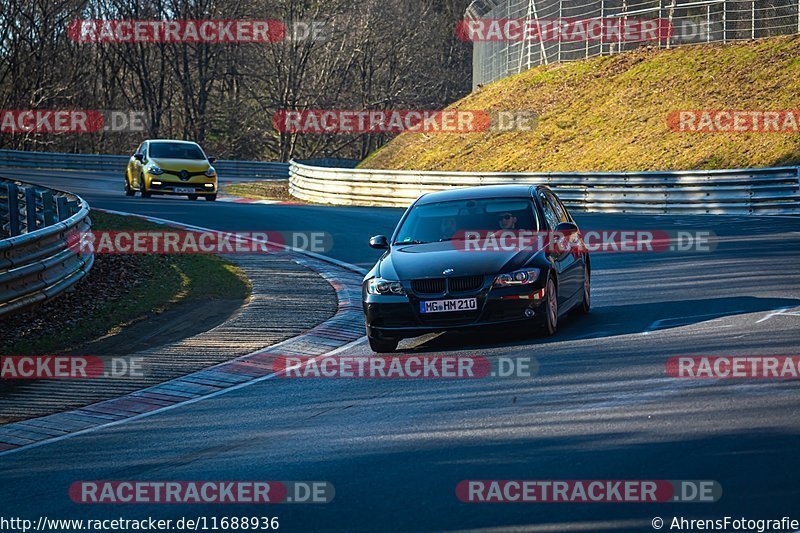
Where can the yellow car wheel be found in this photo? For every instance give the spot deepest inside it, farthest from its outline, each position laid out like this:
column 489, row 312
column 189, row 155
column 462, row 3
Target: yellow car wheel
column 128, row 190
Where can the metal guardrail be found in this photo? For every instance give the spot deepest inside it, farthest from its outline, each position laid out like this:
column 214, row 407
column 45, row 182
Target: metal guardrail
column 763, row 191
column 36, row 261
column 117, row 163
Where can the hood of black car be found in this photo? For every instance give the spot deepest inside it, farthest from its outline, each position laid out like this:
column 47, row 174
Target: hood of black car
column 431, row 260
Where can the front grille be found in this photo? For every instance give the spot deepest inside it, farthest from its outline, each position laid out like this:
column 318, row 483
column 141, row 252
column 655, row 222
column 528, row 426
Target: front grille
column 428, row 286
column 438, row 285
column 465, row 283
column 188, row 174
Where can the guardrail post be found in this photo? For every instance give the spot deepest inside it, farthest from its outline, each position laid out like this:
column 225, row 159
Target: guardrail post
column 72, row 207
column 13, row 209
column 62, row 209
column 30, row 209
column 48, row 216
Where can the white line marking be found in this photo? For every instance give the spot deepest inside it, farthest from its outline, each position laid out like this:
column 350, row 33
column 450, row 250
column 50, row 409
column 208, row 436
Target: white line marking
column 779, row 312
column 657, row 324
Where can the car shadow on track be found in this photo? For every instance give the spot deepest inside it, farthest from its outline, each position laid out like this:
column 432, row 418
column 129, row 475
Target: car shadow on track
column 610, row 321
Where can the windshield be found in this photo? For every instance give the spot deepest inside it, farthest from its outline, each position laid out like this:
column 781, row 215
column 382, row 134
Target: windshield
column 169, row 150
column 446, row 221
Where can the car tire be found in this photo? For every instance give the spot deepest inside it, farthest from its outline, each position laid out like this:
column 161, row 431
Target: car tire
column 382, row 345
column 586, row 303
column 551, row 308
column 128, row 190
column 192, row 197
column 143, row 190
column 211, row 197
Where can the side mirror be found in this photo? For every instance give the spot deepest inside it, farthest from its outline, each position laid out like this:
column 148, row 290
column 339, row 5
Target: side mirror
column 567, row 229
column 212, row 160
column 379, row 242
column 138, row 157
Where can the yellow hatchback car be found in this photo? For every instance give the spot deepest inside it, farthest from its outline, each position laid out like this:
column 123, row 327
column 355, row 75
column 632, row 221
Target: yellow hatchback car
column 162, row 166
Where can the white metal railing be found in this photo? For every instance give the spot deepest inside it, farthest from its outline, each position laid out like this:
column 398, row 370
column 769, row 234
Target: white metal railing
column 763, row 191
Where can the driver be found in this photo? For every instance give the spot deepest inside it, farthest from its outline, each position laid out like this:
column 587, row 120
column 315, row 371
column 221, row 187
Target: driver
column 507, row 221
column 448, row 227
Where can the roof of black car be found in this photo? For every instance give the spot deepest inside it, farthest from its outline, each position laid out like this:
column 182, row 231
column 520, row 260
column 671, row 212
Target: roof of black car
column 521, row 190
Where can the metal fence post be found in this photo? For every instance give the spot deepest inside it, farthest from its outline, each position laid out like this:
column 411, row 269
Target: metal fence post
column 48, row 215
column 62, row 209
column 30, row 209
column 725, row 20
column 602, row 21
column 671, row 18
column 753, row 19
column 13, row 209
column 560, row 14
column 72, row 207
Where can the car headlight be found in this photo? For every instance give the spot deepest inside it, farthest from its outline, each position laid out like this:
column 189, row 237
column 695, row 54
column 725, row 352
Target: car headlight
column 211, row 172
column 154, row 170
column 519, row 277
column 386, row 287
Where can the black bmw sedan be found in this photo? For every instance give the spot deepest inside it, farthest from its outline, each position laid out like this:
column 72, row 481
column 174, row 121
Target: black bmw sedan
column 476, row 257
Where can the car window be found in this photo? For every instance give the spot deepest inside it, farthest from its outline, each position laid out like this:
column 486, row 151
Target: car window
column 558, row 207
column 563, row 208
column 171, row 150
column 444, row 221
column 140, row 150
column 550, row 214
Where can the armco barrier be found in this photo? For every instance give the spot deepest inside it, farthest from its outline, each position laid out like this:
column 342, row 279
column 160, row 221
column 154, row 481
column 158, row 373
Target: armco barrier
column 36, row 262
column 117, row 164
column 763, row 191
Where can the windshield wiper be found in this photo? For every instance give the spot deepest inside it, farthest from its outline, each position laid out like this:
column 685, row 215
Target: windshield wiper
column 412, row 242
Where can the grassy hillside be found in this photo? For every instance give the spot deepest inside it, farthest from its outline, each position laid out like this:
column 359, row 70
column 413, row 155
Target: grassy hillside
column 610, row 113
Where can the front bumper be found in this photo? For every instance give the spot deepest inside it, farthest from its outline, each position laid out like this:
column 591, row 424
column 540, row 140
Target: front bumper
column 399, row 316
column 158, row 185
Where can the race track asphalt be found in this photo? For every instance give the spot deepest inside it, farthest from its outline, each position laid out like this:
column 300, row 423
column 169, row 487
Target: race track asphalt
column 600, row 407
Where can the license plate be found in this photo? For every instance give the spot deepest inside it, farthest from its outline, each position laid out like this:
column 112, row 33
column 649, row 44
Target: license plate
column 184, row 190
column 446, row 306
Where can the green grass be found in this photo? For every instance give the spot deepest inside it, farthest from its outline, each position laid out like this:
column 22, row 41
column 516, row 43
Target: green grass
column 188, row 276
column 610, row 114
column 162, row 280
column 262, row 190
